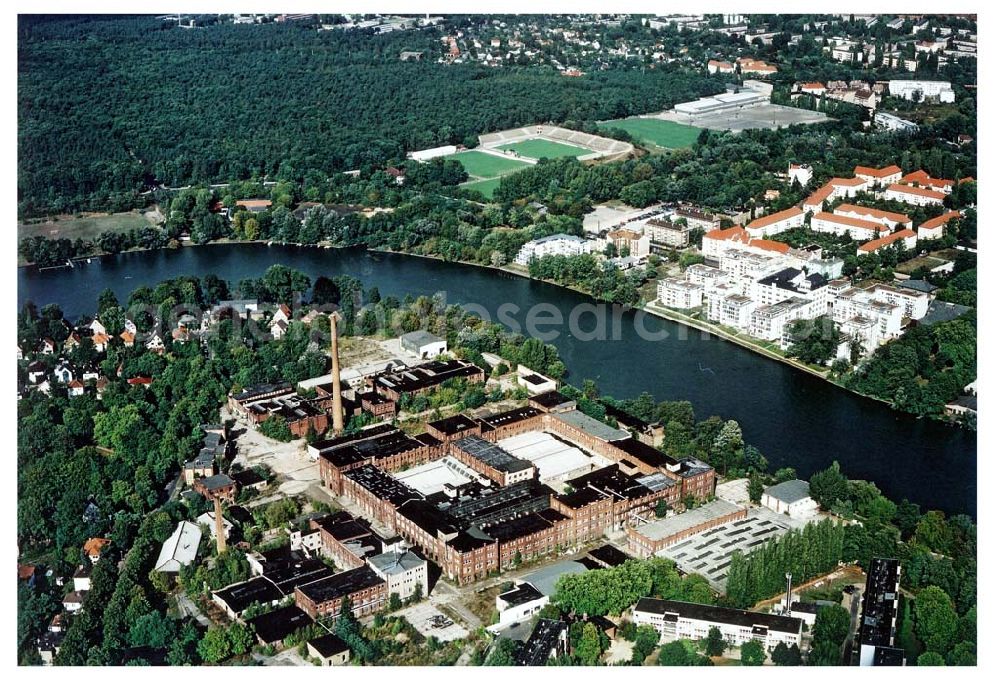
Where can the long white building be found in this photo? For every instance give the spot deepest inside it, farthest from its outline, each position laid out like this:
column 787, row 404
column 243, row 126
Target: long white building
column 676, row 620
column 555, row 244
column 916, row 196
column 938, row 89
column 857, row 229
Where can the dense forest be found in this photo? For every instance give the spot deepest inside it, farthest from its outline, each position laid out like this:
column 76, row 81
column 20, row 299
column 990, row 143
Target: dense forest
column 107, row 105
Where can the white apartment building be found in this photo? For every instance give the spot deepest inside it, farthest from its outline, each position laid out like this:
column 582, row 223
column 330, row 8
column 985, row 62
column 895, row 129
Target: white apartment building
column 635, row 243
column 676, row 620
column 878, row 176
column 679, row 293
column 857, row 229
column 705, row 276
column 731, row 310
column 846, row 302
column 768, row 322
column 916, row 196
column 802, row 173
column 745, row 265
column 887, row 218
column 862, row 329
column 937, row 89
column 907, row 236
column 715, row 242
column 555, row 244
column 787, row 283
column 664, row 232
column 934, row 228
column 776, row 223
column 914, row 303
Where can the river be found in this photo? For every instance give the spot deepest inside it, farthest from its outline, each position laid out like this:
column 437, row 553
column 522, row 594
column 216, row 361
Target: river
column 794, row 418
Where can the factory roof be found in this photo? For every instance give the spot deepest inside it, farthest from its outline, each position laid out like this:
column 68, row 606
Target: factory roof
column 277, row 625
column 668, row 527
column 453, row 424
column 711, row 613
column 592, row 427
column 609, row 555
column 337, row 586
column 241, row 596
column 492, row 455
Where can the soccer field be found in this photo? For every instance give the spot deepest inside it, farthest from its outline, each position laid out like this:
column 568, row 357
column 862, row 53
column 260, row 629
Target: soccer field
column 485, row 187
column 478, row 164
column 539, row 148
column 657, row 131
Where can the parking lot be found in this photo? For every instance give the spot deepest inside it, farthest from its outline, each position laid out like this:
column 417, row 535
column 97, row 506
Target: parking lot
column 430, row 621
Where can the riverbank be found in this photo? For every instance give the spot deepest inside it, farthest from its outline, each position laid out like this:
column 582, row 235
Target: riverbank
column 679, row 318
column 521, row 273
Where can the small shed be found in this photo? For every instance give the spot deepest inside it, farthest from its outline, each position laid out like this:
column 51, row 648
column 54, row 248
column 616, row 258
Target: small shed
column 330, row 650
column 423, row 344
column 790, row 497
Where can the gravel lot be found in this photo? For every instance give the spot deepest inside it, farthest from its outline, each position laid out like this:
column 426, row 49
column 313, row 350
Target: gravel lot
column 420, row 617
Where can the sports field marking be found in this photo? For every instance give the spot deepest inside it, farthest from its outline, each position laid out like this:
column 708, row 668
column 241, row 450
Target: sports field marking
column 666, row 134
column 541, row 148
column 484, row 166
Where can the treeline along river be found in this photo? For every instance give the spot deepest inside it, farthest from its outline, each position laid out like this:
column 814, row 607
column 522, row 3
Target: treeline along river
column 794, row 418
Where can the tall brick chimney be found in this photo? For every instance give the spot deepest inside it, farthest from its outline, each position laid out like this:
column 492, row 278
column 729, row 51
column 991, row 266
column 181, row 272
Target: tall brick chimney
column 220, row 528
column 337, row 405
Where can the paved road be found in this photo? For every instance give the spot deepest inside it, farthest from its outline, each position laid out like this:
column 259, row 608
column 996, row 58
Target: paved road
column 189, row 609
column 849, row 643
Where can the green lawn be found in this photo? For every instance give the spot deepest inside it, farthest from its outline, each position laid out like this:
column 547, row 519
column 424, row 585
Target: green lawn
column 88, row 228
column 539, row 148
column 485, row 187
column 657, row 131
column 481, row 165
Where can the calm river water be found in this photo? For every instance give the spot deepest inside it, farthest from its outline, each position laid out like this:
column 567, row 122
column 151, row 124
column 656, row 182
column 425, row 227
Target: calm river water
column 794, row 418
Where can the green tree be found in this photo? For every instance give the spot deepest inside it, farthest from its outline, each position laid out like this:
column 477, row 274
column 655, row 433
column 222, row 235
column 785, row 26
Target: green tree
column 502, row 654
column 832, row 624
column 786, row 656
column 588, row 648
column 824, row 654
column 936, row 621
column 715, row 645
column 646, row 640
column 930, row 659
column 752, row 654
column 828, row 486
column 674, row 654
column 755, row 488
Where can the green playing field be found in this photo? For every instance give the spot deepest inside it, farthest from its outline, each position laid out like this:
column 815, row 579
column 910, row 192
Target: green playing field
column 478, row 164
column 539, row 148
column 657, row 131
column 484, row 187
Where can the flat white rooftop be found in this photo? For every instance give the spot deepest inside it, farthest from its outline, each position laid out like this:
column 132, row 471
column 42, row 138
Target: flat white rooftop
column 556, row 460
column 431, row 477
